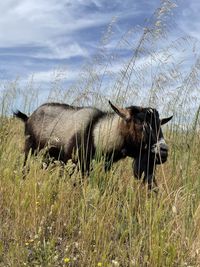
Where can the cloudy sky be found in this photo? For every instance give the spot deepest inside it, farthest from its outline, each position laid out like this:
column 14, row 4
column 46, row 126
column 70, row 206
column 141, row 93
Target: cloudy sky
column 38, row 37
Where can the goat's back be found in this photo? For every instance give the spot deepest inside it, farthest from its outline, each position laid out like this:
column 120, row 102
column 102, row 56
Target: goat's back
column 56, row 124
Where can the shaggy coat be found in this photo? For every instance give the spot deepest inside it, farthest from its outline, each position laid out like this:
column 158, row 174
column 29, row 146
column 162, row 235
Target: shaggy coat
column 82, row 133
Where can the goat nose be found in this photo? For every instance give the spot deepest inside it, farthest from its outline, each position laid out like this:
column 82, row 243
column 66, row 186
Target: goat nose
column 163, row 153
column 159, row 147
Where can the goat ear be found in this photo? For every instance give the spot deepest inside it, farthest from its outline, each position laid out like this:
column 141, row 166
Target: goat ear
column 165, row 120
column 122, row 112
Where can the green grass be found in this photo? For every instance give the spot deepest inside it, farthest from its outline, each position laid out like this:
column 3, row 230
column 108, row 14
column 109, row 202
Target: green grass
column 109, row 219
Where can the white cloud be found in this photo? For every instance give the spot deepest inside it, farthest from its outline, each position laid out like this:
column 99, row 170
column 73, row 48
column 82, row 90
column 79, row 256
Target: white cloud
column 52, row 75
column 62, row 51
column 25, row 22
column 29, row 21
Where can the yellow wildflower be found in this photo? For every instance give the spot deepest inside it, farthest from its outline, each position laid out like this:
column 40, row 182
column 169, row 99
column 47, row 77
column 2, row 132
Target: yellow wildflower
column 66, row 260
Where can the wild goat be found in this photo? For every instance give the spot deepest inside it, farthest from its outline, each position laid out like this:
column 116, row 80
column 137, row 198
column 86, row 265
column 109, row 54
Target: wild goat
column 81, row 133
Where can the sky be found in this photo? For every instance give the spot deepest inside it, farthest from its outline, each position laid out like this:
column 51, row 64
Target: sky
column 39, row 38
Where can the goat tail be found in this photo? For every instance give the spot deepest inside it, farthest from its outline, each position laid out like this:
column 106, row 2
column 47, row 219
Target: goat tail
column 20, row 115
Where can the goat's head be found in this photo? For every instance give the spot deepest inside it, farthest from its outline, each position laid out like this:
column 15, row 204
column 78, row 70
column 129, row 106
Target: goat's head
column 143, row 128
column 156, row 144
column 146, row 143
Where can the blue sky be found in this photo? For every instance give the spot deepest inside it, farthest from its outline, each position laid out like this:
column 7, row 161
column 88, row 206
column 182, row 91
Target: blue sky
column 38, row 37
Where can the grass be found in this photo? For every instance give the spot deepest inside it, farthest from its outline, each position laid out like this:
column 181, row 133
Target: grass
column 109, row 219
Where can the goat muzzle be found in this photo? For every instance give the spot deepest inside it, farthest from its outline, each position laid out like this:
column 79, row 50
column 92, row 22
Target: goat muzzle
column 160, row 150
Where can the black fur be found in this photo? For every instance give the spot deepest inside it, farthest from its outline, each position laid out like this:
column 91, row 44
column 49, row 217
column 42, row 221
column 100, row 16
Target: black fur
column 20, row 115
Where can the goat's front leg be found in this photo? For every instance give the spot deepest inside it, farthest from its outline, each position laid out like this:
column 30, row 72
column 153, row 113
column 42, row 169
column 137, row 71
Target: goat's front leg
column 146, row 165
column 149, row 175
column 138, row 168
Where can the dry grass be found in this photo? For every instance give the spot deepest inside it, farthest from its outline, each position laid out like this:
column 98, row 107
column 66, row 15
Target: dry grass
column 109, row 219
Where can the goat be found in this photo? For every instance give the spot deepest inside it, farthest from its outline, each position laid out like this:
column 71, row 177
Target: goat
column 82, row 133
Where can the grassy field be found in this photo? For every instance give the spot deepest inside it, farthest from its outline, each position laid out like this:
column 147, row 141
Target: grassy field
column 109, row 219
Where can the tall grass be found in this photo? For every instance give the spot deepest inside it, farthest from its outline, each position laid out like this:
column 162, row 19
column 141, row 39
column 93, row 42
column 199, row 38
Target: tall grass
column 109, row 219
